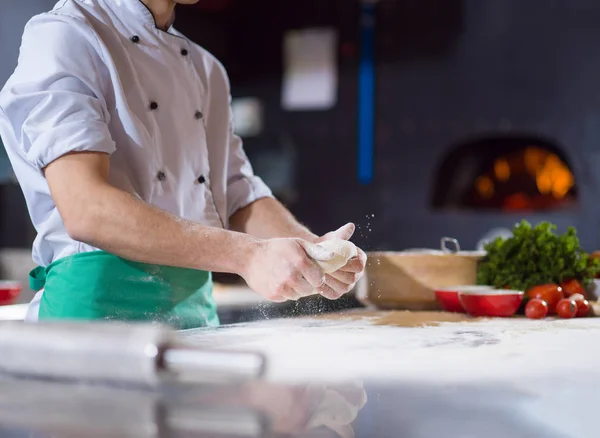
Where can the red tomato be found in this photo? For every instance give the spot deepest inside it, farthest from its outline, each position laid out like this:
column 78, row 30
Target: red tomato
column 566, row 308
column 550, row 293
column 572, row 287
column 583, row 306
column 536, row 309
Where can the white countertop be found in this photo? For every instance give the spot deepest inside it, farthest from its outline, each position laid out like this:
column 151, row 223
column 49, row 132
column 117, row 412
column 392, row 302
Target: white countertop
column 13, row 313
column 480, row 350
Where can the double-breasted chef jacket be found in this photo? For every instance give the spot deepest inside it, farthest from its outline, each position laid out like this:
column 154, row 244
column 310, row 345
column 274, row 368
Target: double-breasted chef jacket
column 98, row 75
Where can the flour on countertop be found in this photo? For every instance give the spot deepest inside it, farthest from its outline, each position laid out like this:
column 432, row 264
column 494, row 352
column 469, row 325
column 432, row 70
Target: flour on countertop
column 349, row 348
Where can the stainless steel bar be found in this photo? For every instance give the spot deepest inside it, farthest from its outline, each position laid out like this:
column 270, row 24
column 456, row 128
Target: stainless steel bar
column 213, row 366
column 146, row 354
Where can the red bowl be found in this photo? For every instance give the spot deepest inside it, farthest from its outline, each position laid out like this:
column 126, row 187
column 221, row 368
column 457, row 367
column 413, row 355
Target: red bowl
column 449, row 299
column 9, row 292
column 492, row 302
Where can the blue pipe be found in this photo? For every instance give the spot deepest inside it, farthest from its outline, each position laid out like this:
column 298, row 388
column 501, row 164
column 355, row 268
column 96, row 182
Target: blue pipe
column 366, row 95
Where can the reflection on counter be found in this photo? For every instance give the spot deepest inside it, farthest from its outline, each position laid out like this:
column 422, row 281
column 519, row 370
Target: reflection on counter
column 256, row 410
column 395, row 409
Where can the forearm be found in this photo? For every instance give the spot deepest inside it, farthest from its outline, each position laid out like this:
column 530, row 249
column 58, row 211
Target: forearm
column 130, row 228
column 268, row 218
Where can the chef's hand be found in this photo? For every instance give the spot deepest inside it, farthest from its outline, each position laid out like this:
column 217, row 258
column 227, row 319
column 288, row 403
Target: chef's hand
column 280, row 270
column 343, row 280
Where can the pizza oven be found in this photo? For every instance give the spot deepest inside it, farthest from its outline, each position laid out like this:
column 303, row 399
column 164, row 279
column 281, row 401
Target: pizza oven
column 509, row 174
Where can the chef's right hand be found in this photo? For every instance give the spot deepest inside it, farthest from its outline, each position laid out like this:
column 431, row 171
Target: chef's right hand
column 280, row 270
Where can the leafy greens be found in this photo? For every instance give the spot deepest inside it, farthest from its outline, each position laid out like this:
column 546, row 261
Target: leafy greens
column 535, row 256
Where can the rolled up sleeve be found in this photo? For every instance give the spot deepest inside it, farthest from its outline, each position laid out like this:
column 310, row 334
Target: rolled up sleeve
column 54, row 102
column 243, row 187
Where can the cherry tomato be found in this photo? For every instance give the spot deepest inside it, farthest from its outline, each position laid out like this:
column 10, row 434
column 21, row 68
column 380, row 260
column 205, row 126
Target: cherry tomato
column 536, row 309
column 566, row 308
column 550, row 293
column 583, row 306
column 572, row 287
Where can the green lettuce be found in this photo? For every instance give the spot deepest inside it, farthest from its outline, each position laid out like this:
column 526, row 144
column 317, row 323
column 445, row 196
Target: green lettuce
column 534, row 256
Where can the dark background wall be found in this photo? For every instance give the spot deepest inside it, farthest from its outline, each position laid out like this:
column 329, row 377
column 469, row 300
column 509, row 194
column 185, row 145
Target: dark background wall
column 447, row 71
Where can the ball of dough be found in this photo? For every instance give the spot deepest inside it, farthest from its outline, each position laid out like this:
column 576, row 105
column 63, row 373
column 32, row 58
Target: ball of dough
column 333, row 254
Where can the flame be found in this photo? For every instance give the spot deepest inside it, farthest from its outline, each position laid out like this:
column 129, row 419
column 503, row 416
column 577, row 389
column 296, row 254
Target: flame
column 554, row 177
column 534, row 158
column 517, row 202
column 502, row 169
column 485, row 187
column 544, row 183
column 551, row 175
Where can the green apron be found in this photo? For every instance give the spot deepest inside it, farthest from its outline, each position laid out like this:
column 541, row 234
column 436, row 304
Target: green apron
column 98, row 285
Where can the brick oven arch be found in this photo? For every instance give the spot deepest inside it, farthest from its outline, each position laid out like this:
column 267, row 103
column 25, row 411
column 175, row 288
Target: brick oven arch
column 516, row 173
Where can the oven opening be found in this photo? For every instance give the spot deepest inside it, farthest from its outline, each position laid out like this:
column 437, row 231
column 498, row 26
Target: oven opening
column 510, row 174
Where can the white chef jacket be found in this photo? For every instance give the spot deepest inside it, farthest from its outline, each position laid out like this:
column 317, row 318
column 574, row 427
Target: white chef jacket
column 98, row 75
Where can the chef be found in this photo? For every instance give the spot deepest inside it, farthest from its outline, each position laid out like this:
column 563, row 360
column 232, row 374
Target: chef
column 119, row 131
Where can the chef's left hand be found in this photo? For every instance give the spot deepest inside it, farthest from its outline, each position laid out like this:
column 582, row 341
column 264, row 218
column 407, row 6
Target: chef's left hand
column 343, row 280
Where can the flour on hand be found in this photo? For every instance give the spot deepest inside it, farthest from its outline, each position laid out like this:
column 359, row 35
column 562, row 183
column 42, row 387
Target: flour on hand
column 332, row 255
